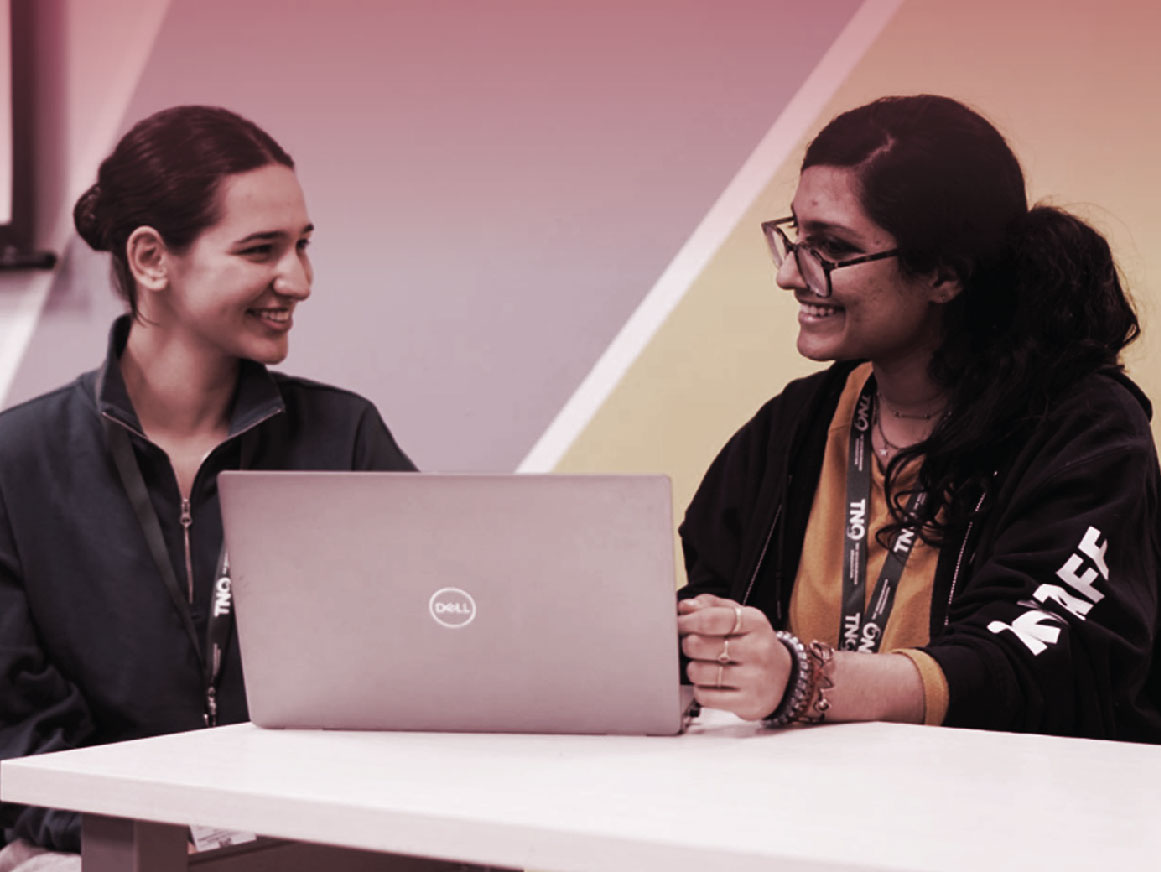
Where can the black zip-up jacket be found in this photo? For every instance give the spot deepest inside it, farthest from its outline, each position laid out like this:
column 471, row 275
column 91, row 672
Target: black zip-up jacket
column 1045, row 611
column 92, row 647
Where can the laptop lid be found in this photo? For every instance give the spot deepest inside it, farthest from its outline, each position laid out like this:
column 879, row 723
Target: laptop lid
column 484, row 603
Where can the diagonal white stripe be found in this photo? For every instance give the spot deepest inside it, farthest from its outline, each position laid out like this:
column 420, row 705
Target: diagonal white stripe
column 832, row 70
column 21, row 304
column 19, row 310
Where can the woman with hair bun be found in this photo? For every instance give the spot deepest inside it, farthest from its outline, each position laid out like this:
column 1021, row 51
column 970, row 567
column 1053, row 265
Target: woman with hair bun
column 957, row 522
column 208, row 231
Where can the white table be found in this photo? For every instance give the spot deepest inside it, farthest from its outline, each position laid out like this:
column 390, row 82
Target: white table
column 724, row 796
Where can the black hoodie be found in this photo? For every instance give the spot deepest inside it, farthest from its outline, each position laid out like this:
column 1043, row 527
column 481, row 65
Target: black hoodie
column 92, row 647
column 1045, row 612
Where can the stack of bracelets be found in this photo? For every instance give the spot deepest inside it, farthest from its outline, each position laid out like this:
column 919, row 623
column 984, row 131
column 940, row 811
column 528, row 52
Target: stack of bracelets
column 804, row 701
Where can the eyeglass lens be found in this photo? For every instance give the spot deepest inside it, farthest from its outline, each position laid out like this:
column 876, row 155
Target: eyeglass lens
column 809, row 266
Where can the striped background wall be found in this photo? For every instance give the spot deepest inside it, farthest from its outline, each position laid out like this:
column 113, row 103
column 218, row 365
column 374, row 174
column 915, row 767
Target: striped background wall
column 1075, row 86
column 496, row 185
column 538, row 242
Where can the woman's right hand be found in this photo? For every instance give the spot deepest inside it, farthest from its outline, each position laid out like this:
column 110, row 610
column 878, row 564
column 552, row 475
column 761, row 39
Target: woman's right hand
column 737, row 664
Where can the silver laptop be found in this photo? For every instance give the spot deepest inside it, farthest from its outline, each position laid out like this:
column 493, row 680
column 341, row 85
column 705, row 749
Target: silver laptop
column 483, row 603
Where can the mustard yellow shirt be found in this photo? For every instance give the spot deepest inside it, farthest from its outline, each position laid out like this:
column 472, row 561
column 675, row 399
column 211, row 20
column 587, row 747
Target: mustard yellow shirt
column 816, row 600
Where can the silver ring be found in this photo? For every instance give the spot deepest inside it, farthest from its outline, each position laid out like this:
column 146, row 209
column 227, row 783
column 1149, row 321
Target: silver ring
column 718, row 683
column 737, row 620
column 724, row 657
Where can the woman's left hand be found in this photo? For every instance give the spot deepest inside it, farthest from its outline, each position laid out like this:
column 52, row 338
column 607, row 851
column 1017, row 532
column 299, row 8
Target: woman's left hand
column 736, row 662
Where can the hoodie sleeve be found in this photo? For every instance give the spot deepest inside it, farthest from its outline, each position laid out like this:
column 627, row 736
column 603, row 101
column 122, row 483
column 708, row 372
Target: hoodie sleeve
column 722, row 520
column 1055, row 625
column 39, row 709
column 375, row 447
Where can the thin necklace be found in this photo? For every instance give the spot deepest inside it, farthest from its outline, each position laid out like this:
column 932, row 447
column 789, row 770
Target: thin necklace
column 888, row 445
column 927, row 416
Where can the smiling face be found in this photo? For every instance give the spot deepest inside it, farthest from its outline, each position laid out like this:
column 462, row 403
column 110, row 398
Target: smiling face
column 875, row 311
column 232, row 293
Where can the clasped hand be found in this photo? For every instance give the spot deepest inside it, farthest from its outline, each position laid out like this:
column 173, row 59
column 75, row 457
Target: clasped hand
column 736, row 662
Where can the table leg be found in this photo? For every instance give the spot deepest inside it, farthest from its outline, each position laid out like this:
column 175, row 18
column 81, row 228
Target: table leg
column 125, row 845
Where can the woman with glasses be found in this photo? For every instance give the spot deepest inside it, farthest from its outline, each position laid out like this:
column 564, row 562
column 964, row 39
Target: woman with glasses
column 957, row 521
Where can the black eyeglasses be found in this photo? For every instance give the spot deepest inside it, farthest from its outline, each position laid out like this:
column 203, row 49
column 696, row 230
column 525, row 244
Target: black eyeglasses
column 815, row 268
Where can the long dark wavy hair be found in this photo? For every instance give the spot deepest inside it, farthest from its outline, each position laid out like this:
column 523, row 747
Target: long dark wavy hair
column 1042, row 303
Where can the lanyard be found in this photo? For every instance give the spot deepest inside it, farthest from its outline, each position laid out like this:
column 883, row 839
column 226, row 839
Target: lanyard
column 220, row 621
column 861, row 630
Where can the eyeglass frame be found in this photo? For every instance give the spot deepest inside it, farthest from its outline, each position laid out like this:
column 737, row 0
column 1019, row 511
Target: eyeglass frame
column 828, row 266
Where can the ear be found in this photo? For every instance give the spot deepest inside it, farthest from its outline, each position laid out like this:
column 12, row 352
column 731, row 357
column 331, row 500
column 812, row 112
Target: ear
column 148, row 259
column 945, row 285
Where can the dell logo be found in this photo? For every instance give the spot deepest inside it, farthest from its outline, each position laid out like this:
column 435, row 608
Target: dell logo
column 452, row 607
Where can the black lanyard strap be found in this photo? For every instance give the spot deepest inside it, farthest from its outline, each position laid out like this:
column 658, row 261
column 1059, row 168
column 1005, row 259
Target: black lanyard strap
column 219, row 623
column 117, row 438
column 861, row 630
column 218, row 628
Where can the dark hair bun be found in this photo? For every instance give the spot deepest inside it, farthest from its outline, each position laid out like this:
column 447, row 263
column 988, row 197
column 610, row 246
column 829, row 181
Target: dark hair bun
column 89, row 221
column 165, row 173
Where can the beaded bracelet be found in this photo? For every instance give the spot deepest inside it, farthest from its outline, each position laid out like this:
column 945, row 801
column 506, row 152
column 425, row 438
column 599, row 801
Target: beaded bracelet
column 799, row 684
column 822, row 667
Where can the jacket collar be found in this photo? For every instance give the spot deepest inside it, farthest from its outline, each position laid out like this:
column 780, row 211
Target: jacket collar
column 256, row 397
column 1118, row 374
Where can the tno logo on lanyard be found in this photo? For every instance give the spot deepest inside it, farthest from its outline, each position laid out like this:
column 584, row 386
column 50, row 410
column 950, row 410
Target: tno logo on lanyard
column 223, row 596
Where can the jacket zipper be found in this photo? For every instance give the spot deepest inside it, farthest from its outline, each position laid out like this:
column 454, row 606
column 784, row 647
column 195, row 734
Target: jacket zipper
column 186, row 522
column 959, row 562
column 186, row 517
column 762, row 555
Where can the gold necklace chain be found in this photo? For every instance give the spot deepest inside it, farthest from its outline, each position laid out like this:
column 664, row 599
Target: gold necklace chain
column 888, row 445
column 926, row 416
